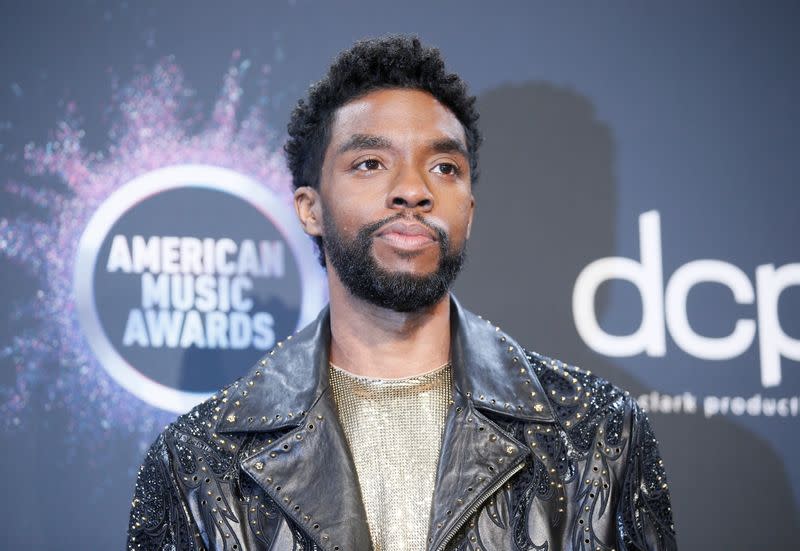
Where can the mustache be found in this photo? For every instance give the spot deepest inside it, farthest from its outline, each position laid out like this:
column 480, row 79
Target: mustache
column 368, row 230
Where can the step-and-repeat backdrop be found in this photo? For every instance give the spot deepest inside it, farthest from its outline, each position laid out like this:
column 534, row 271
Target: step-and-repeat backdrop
column 637, row 215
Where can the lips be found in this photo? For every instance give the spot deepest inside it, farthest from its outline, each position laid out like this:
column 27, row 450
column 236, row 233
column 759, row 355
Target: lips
column 407, row 229
column 407, row 235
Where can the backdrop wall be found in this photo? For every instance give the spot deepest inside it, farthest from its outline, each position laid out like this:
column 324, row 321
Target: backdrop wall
column 637, row 215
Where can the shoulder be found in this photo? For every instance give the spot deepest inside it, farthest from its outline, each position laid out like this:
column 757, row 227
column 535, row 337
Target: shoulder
column 584, row 403
column 560, row 379
column 602, row 421
column 194, row 435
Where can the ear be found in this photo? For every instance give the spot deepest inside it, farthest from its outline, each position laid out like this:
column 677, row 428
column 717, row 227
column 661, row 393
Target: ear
column 308, row 206
column 471, row 214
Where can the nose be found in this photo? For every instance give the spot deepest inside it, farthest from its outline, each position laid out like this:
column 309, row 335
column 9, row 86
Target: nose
column 410, row 190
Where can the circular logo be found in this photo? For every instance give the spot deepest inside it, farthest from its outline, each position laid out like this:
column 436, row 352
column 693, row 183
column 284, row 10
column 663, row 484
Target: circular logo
column 186, row 275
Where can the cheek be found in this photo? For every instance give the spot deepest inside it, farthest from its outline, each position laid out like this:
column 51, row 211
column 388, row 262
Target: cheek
column 460, row 220
column 463, row 233
column 343, row 219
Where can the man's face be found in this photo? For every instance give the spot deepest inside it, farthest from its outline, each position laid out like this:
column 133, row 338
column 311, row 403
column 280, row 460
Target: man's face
column 395, row 198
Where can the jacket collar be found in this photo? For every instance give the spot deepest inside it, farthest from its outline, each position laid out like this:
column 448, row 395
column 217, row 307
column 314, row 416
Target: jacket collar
column 490, row 370
column 307, row 469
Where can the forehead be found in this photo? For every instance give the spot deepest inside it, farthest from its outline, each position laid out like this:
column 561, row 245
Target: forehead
column 402, row 115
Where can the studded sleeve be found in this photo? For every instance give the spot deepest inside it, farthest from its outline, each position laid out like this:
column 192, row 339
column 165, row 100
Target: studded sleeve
column 644, row 514
column 158, row 519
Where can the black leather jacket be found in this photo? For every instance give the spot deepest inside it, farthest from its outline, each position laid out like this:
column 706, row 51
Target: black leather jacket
column 536, row 455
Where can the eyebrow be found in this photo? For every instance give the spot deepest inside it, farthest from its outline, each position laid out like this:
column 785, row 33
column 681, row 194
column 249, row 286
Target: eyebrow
column 364, row 141
column 368, row 141
column 449, row 145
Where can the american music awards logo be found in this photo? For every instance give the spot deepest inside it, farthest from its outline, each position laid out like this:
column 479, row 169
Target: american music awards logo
column 185, row 275
column 161, row 266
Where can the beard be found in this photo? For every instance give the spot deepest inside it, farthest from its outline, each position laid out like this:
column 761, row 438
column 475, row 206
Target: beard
column 359, row 272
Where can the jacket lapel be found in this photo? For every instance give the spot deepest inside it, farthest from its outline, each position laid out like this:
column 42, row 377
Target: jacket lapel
column 308, row 470
column 492, row 375
column 310, row 474
column 476, row 457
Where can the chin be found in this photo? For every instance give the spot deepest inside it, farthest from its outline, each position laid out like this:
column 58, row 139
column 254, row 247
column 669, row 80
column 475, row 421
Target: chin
column 410, row 264
column 408, row 271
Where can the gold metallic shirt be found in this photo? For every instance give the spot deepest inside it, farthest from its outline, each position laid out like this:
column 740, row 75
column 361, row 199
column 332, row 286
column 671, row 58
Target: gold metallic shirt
column 394, row 429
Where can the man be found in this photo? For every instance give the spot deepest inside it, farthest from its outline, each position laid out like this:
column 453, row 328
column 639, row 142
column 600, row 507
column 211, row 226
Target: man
column 398, row 420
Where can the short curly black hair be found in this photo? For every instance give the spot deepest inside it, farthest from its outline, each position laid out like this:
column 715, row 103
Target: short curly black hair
column 393, row 61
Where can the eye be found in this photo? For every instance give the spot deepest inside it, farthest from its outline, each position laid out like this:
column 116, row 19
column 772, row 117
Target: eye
column 446, row 169
column 369, row 164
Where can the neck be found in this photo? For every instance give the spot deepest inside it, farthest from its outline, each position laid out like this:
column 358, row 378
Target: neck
column 372, row 341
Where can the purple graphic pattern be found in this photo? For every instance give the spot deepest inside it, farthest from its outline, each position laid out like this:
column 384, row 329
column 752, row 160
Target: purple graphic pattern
column 153, row 128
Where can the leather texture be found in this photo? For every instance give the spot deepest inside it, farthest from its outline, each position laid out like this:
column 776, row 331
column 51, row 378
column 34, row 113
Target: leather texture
column 536, row 455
